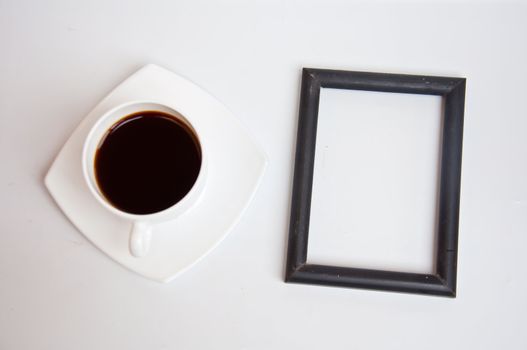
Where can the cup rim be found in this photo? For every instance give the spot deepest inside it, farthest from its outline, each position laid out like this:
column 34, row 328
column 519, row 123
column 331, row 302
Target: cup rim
column 92, row 183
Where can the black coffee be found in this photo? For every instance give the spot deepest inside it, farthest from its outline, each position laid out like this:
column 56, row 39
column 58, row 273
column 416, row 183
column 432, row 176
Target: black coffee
column 147, row 162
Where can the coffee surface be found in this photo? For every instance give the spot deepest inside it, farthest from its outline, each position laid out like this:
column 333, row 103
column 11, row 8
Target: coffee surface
column 147, row 162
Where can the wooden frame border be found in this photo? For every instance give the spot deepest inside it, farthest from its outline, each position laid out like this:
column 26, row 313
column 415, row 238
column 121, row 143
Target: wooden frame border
column 443, row 281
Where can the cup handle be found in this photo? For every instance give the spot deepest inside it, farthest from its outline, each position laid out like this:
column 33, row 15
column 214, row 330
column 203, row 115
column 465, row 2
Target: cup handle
column 140, row 238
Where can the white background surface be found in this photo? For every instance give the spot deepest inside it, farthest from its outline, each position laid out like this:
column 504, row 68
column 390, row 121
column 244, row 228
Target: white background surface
column 375, row 184
column 59, row 58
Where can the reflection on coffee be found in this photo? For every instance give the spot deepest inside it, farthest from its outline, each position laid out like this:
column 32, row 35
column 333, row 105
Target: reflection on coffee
column 147, row 162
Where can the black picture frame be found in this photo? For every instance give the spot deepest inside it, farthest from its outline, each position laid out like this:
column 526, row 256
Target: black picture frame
column 443, row 281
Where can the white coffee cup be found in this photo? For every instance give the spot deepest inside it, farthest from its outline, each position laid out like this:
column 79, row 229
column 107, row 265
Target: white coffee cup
column 141, row 231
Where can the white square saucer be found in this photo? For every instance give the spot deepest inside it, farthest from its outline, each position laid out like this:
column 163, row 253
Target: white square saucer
column 236, row 166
